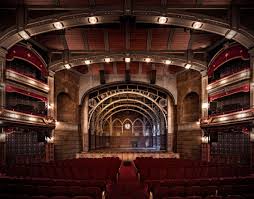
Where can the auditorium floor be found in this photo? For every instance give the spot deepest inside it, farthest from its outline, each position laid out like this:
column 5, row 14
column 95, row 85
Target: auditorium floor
column 128, row 185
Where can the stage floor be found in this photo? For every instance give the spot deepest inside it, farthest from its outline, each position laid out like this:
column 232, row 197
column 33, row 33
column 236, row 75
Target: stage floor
column 127, row 150
column 127, row 154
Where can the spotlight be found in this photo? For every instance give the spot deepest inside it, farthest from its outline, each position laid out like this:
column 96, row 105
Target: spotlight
column 230, row 34
column 167, row 62
column 25, row 35
column 127, row 59
column 107, row 60
column 197, row 25
column 87, row 62
column 187, row 66
column 147, row 60
column 58, row 25
column 67, row 66
column 92, row 20
column 162, row 20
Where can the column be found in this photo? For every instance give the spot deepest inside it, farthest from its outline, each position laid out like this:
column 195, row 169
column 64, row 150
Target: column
column 2, row 103
column 85, row 124
column 204, row 95
column 2, row 77
column 170, row 125
column 51, row 95
column 251, row 52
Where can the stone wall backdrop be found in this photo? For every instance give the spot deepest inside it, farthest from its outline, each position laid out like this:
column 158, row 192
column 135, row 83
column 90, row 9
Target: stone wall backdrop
column 188, row 114
column 67, row 138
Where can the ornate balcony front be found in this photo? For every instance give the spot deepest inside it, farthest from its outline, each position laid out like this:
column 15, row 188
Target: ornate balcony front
column 231, row 79
column 9, row 116
column 23, row 79
column 231, row 118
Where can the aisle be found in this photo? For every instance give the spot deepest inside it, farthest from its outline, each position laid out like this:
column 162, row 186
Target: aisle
column 128, row 186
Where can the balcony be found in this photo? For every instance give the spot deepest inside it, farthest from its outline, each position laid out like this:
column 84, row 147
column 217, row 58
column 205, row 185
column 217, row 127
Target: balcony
column 9, row 116
column 230, row 118
column 24, row 79
column 236, row 77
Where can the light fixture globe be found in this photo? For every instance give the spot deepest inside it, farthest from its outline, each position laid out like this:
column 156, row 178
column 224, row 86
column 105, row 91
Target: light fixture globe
column 162, row 20
column 93, row 20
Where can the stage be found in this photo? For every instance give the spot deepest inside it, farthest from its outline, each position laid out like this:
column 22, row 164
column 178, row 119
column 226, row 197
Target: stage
column 127, row 153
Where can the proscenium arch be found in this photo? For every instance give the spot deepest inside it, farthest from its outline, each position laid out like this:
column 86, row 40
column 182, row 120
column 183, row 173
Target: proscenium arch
column 79, row 18
column 134, row 55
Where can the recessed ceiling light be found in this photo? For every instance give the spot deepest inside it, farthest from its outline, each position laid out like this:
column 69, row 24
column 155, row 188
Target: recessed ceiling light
column 168, row 62
column 87, row 62
column 148, row 59
column 67, row 66
column 127, row 59
column 230, row 34
column 58, row 25
column 24, row 34
column 107, row 60
column 187, row 66
column 197, row 25
column 92, row 20
column 162, row 20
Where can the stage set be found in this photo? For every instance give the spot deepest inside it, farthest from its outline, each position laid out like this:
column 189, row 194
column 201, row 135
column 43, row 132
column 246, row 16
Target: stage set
column 127, row 121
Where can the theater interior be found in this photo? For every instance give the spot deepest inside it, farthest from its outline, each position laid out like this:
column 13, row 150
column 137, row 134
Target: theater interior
column 126, row 99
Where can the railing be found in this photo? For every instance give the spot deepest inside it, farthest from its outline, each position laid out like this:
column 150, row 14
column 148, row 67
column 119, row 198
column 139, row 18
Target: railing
column 222, row 112
column 41, row 113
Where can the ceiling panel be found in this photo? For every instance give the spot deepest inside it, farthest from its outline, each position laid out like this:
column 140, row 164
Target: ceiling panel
column 121, row 67
column 94, row 69
column 134, row 68
column 51, row 40
column 180, row 39
column 108, row 67
column 160, row 38
column 146, row 68
column 74, row 39
column 95, row 39
column 116, row 39
column 138, row 39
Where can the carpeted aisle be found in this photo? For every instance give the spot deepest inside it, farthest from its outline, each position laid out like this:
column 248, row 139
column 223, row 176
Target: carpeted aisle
column 128, row 186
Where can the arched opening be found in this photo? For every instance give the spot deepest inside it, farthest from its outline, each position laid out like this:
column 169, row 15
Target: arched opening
column 128, row 111
column 191, row 108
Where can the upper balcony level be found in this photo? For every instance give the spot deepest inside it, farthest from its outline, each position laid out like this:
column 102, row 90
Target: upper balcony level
column 27, row 62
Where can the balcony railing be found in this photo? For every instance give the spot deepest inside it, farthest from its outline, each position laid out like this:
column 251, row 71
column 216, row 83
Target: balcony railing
column 27, row 110
column 229, row 118
column 10, row 116
column 24, row 79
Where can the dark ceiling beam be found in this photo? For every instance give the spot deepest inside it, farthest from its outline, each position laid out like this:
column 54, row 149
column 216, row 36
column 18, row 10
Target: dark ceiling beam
column 189, row 47
column 39, row 45
column 127, row 6
column 106, row 40
column 57, row 2
column 199, row 2
column 164, row 3
column 85, row 38
column 64, row 41
column 170, row 38
column 21, row 17
column 149, row 40
column 127, row 35
column 172, row 7
column 92, row 3
column 215, row 45
column 130, row 52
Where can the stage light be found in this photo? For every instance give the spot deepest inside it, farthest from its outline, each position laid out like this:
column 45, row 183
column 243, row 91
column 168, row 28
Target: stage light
column 25, row 35
column 58, row 25
column 230, row 34
column 87, row 62
column 147, row 60
column 197, row 25
column 107, row 60
column 67, row 66
column 127, row 59
column 162, row 20
column 187, row 66
column 167, row 62
column 92, row 20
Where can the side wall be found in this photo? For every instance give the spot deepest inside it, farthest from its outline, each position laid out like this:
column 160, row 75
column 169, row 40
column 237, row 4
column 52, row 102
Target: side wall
column 67, row 137
column 188, row 132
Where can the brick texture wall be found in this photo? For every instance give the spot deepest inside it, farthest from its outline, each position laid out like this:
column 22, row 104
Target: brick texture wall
column 188, row 133
column 67, row 137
